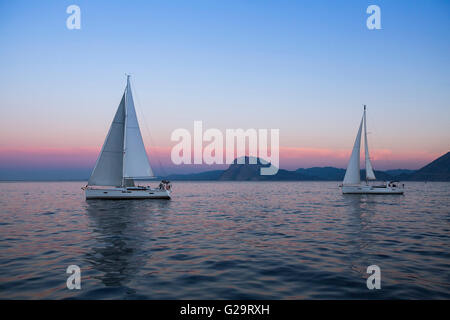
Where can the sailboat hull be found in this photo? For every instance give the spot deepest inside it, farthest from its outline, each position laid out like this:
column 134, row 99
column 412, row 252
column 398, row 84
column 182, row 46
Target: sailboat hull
column 126, row 193
column 369, row 189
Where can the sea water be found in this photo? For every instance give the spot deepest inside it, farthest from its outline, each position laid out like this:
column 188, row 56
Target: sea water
column 225, row 240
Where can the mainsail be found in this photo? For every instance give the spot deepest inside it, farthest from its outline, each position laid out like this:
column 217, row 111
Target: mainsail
column 123, row 156
column 370, row 175
column 352, row 175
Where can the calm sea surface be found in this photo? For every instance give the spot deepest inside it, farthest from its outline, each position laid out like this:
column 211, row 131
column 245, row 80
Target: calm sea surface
column 225, row 240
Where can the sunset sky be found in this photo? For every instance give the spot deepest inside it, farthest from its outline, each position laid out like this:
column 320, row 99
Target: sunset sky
column 304, row 67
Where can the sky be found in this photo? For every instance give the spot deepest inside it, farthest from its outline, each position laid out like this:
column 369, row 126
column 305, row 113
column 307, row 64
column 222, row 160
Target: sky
column 303, row 67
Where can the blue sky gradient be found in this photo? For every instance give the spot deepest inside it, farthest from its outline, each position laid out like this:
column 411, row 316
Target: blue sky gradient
column 305, row 67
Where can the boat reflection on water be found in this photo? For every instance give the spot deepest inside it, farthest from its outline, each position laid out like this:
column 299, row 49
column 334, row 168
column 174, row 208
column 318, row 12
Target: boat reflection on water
column 121, row 247
column 225, row 240
column 361, row 212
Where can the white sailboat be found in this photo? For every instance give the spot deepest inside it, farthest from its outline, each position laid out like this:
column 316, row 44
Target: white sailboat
column 352, row 180
column 123, row 160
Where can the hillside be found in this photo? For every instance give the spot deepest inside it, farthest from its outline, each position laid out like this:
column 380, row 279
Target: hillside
column 323, row 173
column 437, row 170
column 251, row 172
column 202, row 176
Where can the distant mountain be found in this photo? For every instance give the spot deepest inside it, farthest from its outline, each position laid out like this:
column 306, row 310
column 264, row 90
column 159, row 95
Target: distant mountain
column 202, row 176
column 397, row 172
column 438, row 170
column 323, row 173
column 251, row 172
column 42, row 174
column 336, row 174
column 380, row 175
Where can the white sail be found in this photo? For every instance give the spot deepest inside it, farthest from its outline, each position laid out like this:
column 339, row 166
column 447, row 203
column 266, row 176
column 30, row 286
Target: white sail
column 370, row 175
column 135, row 161
column 108, row 168
column 352, row 180
column 352, row 175
column 123, row 159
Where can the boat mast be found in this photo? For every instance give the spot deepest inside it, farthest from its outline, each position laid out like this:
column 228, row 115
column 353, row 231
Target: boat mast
column 125, row 131
column 370, row 174
column 365, row 142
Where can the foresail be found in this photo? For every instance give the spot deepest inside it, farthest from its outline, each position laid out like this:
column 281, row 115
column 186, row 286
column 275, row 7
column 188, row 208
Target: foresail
column 352, row 175
column 136, row 164
column 370, row 175
column 108, row 168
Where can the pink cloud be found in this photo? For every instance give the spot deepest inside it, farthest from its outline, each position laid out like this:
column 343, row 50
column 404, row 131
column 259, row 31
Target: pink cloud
column 290, row 158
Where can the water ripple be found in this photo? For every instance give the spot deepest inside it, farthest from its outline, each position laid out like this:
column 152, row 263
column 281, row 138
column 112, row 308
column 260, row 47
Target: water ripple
column 225, row 240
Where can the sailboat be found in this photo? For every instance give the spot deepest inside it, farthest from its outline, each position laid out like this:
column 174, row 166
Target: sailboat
column 123, row 160
column 352, row 181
